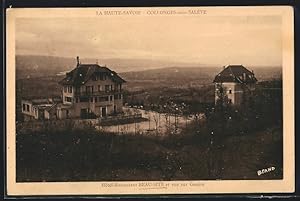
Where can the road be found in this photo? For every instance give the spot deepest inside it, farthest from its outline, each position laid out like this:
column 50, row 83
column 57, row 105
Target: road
column 157, row 123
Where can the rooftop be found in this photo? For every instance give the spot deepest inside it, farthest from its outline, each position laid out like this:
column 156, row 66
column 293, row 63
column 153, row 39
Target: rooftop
column 235, row 73
column 83, row 72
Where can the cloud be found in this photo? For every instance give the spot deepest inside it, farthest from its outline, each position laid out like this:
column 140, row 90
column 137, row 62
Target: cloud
column 211, row 40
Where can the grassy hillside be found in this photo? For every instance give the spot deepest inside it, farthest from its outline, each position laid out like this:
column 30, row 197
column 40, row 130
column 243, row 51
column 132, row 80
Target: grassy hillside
column 86, row 155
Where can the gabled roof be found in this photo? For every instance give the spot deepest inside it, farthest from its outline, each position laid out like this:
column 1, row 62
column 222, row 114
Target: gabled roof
column 83, row 72
column 237, row 74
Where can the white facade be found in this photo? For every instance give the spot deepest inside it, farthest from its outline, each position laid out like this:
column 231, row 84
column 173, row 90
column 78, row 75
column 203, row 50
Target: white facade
column 101, row 97
column 234, row 91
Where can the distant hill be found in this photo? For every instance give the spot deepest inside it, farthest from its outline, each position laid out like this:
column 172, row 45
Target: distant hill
column 194, row 73
column 171, row 74
column 132, row 69
column 36, row 66
column 183, row 77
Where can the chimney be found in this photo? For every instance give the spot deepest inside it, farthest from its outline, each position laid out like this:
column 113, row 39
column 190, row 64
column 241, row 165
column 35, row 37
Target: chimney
column 244, row 76
column 78, row 61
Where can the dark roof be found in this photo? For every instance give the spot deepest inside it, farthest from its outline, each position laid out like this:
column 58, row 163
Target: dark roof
column 235, row 73
column 83, row 72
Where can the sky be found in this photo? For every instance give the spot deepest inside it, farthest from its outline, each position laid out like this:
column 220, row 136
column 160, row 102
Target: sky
column 211, row 40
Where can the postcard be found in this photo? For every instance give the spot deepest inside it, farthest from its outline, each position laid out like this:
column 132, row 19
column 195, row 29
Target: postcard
column 150, row 100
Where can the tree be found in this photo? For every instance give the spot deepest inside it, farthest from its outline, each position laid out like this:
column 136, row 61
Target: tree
column 216, row 123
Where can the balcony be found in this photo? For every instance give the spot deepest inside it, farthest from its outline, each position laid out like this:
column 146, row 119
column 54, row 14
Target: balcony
column 97, row 93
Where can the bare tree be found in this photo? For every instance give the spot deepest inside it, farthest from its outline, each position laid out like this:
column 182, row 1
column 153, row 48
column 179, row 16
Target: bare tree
column 167, row 117
column 156, row 121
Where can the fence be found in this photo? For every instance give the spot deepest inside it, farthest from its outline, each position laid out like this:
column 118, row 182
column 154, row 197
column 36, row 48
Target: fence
column 120, row 118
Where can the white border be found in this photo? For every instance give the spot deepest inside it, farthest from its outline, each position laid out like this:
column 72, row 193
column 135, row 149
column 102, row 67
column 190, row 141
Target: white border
column 287, row 184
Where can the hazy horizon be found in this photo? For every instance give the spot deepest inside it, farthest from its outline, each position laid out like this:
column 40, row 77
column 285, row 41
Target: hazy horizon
column 208, row 41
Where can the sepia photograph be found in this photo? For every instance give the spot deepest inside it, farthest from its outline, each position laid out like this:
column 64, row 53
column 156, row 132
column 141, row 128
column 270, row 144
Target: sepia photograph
column 151, row 98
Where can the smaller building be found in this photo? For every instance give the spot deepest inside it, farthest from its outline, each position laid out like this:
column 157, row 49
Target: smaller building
column 38, row 109
column 236, row 81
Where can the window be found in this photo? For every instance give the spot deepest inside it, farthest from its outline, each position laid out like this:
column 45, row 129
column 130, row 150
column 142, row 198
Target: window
column 111, row 98
column 230, row 101
column 24, row 107
column 70, row 89
column 89, row 89
column 27, row 108
column 230, row 92
column 106, row 88
column 99, row 87
column 117, row 87
column 91, row 99
column 96, row 99
column 117, row 96
column 65, row 89
column 68, row 99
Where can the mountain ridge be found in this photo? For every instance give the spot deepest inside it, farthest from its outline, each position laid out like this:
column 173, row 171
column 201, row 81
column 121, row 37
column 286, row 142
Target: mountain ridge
column 41, row 65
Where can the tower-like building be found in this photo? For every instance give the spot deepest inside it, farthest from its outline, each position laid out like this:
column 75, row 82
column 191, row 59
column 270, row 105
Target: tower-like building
column 236, row 81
